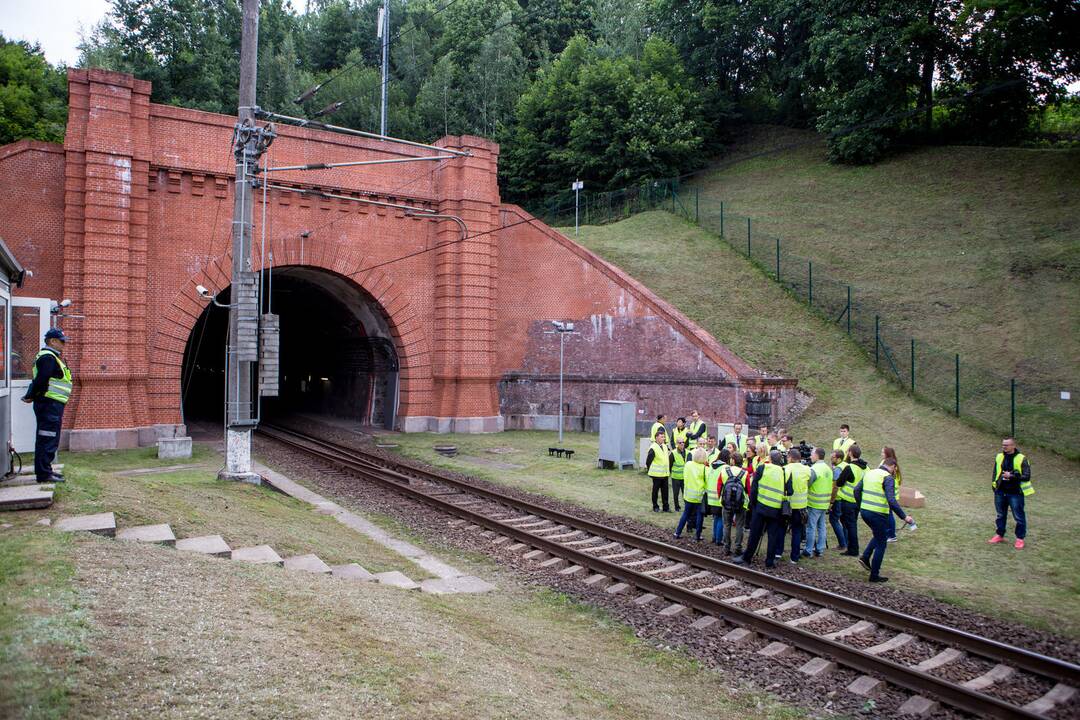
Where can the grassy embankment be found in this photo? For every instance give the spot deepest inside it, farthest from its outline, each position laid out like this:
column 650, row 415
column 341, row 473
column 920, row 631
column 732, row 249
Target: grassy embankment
column 948, row 556
column 970, row 249
column 91, row 627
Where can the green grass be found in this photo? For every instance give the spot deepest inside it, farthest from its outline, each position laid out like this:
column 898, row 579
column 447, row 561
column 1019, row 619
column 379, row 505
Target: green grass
column 948, row 460
column 971, row 250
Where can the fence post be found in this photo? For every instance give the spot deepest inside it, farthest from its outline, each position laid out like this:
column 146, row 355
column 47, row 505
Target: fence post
column 777, row 259
column 1012, row 407
column 877, row 336
column 849, row 310
column 957, row 384
column 810, row 282
column 721, row 218
column 697, row 206
column 673, row 198
column 912, row 366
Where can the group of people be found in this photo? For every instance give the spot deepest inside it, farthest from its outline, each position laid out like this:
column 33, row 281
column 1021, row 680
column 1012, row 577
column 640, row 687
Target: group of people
column 766, row 486
column 763, row 486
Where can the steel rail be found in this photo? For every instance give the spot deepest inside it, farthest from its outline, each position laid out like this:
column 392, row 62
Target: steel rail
column 908, row 678
column 1019, row 658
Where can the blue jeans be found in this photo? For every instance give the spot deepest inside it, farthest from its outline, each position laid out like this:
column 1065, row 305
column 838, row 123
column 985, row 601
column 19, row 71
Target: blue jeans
column 892, row 526
column 837, row 526
column 717, row 524
column 875, row 549
column 691, row 512
column 815, row 531
column 1003, row 502
column 50, row 416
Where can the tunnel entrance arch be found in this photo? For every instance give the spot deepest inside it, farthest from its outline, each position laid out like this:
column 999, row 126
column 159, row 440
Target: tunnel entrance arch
column 338, row 354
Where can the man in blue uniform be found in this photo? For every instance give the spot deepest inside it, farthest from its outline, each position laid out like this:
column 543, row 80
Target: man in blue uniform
column 49, row 392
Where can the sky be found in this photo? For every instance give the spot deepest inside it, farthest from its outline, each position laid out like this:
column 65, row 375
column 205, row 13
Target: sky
column 54, row 24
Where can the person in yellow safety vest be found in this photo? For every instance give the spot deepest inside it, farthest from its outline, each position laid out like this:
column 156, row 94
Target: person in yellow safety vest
column 679, row 432
column 49, row 391
column 1011, row 484
column 876, row 495
column 798, row 477
column 844, row 442
column 767, row 494
column 762, row 438
column 733, row 501
column 819, row 498
column 658, row 466
column 736, row 437
column 678, row 462
column 696, row 430
column 658, row 425
column 712, row 453
column 851, row 474
column 694, row 498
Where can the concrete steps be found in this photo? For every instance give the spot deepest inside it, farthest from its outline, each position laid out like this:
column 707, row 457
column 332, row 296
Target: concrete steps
column 215, row 546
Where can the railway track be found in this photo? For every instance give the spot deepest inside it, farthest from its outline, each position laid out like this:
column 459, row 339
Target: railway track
column 831, row 628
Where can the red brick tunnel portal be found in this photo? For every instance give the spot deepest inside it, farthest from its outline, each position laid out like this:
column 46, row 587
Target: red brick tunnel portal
column 337, row 353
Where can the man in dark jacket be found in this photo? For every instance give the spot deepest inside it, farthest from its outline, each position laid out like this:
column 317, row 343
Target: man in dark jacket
column 49, row 391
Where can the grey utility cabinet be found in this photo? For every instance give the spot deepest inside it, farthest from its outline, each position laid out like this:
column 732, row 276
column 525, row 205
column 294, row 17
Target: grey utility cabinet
column 617, row 422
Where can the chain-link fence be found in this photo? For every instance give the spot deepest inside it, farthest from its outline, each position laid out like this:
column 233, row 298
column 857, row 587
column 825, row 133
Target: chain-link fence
column 1029, row 409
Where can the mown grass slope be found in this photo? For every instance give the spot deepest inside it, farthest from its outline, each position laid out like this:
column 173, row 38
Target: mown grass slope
column 947, row 459
column 972, row 250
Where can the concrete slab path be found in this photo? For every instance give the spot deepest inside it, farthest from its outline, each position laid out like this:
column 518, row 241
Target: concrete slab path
column 416, row 555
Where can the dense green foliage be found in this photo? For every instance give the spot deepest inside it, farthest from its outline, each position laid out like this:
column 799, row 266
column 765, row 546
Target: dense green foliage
column 33, row 94
column 611, row 91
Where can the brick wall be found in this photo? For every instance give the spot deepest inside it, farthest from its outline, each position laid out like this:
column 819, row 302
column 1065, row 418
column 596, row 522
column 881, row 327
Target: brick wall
column 135, row 210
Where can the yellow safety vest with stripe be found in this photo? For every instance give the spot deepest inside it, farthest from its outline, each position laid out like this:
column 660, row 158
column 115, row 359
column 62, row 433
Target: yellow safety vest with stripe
column 843, row 444
column 821, row 486
column 655, row 427
column 799, row 475
column 677, row 435
column 693, row 427
column 1018, row 464
column 847, row 492
column 713, row 455
column 739, row 441
column 770, row 491
column 678, row 462
column 873, row 491
column 59, row 388
column 696, row 482
column 712, row 484
column 661, row 465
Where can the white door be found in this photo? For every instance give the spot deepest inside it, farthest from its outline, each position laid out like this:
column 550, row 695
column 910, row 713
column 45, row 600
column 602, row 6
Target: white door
column 29, row 323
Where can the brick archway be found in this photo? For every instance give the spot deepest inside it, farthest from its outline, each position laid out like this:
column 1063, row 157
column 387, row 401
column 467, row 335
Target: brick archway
column 412, row 346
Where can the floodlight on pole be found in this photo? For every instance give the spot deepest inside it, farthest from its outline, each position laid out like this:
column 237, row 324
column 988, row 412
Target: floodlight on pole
column 562, row 329
column 576, row 186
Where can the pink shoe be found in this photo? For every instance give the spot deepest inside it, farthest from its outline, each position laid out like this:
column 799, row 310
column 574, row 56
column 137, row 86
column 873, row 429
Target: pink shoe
column 995, row 540
column 1019, row 544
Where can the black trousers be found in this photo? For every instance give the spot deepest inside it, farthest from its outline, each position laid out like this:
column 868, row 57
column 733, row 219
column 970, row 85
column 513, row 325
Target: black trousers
column 676, row 491
column 660, row 487
column 849, row 518
column 50, row 416
column 773, row 529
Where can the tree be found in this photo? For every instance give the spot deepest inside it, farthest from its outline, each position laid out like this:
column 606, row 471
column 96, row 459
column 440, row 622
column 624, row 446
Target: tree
column 33, row 94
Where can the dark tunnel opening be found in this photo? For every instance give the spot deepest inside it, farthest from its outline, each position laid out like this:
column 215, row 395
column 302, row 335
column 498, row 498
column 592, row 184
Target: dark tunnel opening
column 336, row 355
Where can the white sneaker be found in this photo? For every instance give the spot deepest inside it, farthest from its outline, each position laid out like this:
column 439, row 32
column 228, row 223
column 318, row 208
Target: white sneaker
column 892, row 539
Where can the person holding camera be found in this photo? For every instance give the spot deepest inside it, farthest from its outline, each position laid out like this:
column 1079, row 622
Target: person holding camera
column 768, row 493
column 1011, row 484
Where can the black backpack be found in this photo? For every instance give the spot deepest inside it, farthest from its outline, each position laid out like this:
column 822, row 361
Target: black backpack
column 733, row 493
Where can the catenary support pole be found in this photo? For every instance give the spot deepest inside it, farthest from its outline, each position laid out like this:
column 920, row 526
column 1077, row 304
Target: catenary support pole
column 562, row 344
column 249, row 145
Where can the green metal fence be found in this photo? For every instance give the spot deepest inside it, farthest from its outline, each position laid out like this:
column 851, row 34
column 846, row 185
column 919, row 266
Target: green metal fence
column 1026, row 408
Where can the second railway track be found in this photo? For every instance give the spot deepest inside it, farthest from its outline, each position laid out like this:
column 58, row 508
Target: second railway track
column 789, row 613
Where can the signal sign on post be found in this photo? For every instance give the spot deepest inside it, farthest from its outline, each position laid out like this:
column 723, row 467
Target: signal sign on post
column 576, row 186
